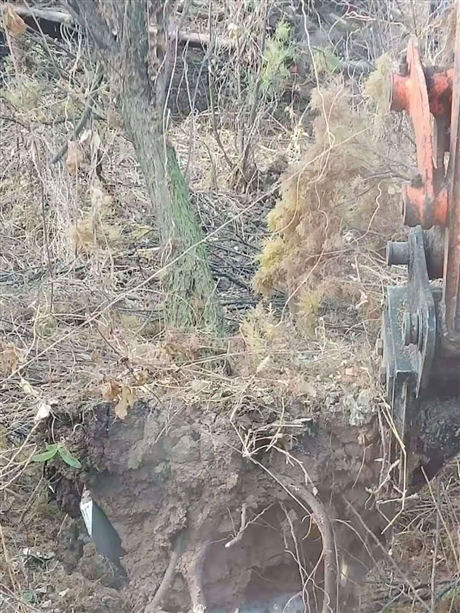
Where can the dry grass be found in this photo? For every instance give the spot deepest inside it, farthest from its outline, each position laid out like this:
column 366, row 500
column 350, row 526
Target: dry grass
column 337, row 208
column 77, row 315
column 425, row 541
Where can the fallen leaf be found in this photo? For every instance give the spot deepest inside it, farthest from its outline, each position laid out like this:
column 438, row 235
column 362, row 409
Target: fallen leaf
column 13, row 23
column 100, row 200
column 141, row 377
column 126, row 401
column 95, row 142
column 106, row 329
column 9, row 358
column 85, row 137
column 113, row 118
column 43, row 411
column 74, row 157
column 110, row 390
column 28, row 389
column 363, row 300
column 263, row 364
column 82, row 233
column 198, row 385
column 96, row 358
column 305, row 387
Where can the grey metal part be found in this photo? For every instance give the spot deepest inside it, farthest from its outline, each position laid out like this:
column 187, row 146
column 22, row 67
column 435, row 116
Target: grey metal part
column 105, row 537
column 419, row 369
column 399, row 360
column 409, row 330
column 398, row 254
column 421, row 304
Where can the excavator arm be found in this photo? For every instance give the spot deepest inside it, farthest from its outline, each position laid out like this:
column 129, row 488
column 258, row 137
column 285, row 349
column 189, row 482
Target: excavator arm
column 420, row 343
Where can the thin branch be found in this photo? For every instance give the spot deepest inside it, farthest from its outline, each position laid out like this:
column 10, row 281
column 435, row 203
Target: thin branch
column 243, row 524
column 197, row 39
column 83, row 119
column 223, row 273
column 14, row 120
column 48, row 14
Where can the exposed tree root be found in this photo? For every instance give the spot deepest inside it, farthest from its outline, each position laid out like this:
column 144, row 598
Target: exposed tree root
column 304, row 494
column 192, row 570
column 329, row 550
column 176, row 554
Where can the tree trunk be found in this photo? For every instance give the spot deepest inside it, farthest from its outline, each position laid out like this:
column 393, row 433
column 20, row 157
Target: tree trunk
column 188, row 283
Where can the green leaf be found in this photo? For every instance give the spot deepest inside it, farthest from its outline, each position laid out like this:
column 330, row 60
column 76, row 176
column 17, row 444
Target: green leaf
column 332, row 62
column 69, row 458
column 282, row 31
column 50, row 452
column 28, row 596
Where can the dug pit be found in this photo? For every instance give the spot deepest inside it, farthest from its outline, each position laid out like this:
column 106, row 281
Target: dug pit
column 212, row 515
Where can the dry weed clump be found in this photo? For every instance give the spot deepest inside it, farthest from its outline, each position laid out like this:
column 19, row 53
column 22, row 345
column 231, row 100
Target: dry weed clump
column 338, row 200
column 425, row 544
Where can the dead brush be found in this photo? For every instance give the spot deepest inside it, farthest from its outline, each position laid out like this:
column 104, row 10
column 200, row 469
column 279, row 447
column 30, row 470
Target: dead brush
column 425, row 542
column 339, row 200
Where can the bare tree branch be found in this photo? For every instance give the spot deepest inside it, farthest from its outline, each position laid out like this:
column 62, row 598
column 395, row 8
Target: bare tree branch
column 71, row 18
column 88, row 16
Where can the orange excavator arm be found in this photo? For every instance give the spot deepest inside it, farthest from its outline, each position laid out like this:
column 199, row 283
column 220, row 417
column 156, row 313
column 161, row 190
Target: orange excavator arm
column 421, row 323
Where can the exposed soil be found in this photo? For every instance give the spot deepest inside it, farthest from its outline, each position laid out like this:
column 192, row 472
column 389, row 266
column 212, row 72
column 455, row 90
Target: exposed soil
column 180, row 469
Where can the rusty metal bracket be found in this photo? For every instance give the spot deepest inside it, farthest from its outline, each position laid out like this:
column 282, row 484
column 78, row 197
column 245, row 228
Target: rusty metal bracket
column 423, row 94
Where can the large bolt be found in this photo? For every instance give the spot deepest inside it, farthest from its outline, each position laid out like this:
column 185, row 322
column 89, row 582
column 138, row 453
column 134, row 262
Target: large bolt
column 403, row 68
column 410, row 328
column 397, row 254
column 417, row 180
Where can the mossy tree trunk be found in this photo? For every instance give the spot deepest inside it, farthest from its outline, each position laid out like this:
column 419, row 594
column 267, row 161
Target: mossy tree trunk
column 127, row 56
